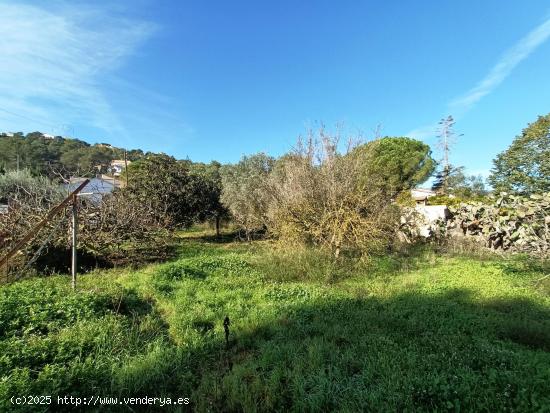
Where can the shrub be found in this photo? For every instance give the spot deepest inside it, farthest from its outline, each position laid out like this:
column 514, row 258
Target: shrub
column 319, row 198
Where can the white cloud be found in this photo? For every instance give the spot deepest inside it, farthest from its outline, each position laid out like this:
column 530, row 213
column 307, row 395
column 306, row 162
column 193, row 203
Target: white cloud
column 55, row 64
column 503, row 68
column 423, row 132
column 498, row 73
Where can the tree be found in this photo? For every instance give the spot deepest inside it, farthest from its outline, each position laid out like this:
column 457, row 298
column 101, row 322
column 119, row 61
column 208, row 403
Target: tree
column 445, row 177
column 446, row 138
column 105, row 224
column 168, row 190
column 524, row 168
column 42, row 155
column 395, row 164
column 319, row 197
column 211, row 190
column 245, row 192
column 453, row 181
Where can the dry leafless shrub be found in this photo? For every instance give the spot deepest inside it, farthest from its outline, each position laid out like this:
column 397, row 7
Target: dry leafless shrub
column 106, row 222
column 319, row 198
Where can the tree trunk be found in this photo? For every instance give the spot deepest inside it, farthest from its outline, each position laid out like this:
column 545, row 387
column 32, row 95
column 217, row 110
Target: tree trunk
column 217, row 226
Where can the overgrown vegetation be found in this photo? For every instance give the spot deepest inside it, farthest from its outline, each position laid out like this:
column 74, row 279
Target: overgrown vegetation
column 110, row 227
column 323, row 198
column 419, row 333
column 509, row 222
column 329, row 311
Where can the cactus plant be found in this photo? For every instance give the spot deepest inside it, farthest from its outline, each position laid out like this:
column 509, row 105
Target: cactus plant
column 511, row 223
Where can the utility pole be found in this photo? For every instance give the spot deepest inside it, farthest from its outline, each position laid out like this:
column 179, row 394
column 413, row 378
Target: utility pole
column 74, row 227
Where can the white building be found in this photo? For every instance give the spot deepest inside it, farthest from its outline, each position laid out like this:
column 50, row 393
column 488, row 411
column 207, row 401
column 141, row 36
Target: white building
column 117, row 166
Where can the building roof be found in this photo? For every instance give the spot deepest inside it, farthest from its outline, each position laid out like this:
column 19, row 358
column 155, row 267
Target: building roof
column 120, row 162
column 421, row 194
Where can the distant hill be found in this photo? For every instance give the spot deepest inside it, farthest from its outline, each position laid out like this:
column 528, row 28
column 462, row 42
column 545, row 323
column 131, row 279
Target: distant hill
column 53, row 155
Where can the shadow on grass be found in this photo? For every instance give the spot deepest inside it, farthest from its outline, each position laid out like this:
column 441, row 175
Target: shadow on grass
column 410, row 352
column 208, row 237
column 521, row 264
column 57, row 260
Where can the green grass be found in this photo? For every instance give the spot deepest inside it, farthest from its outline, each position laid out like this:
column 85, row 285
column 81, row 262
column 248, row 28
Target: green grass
column 424, row 333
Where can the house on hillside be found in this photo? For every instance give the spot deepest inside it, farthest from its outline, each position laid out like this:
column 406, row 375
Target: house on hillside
column 421, row 195
column 117, row 166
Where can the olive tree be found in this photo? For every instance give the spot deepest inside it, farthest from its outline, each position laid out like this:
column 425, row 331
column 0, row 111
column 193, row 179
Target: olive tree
column 210, row 192
column 245, row 192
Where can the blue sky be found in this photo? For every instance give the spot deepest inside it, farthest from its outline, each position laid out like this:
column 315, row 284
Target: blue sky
column 216, row 80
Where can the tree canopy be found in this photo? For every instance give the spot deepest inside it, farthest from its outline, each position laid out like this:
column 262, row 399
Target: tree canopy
column 451, row 180
column 245, row 192
column 210, row 191
column 395, row 164
column 172, row 194
column 42, row 155
column 524, row 168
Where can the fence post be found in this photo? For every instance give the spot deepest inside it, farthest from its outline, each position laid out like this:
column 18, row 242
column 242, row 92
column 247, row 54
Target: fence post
column 74, row 240
column 32, row 233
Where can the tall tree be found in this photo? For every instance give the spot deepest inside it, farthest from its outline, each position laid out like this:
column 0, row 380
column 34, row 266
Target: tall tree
column 524, row 167
column 446, row 139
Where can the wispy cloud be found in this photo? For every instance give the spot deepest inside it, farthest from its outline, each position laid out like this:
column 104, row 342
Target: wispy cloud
column 55, row 64
column 498, row 73
column 514, row 56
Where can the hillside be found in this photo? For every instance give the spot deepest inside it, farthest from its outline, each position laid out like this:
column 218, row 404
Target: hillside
column 421, row 333
column 47, row 155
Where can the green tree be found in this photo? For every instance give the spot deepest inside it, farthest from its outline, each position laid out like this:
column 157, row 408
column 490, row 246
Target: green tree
column 166, row 187
column 245, row 193
column 54, row 156
column 453, row 181
column 395, row 164
column 524, row 168
column 211, row 188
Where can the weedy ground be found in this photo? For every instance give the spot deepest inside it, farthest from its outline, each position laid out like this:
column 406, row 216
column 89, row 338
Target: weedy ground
column 424, row 332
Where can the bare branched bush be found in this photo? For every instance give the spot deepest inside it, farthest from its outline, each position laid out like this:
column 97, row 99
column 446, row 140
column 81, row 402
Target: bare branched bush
column 107, row 221
column 319, row 198
column 28, row 199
